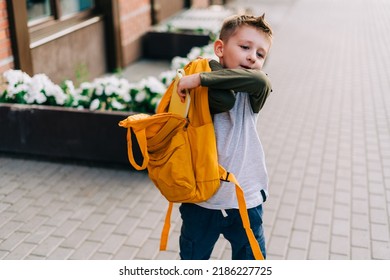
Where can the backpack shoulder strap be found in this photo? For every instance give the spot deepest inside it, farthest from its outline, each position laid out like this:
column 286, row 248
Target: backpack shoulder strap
column 167, row 226
column 229, row 177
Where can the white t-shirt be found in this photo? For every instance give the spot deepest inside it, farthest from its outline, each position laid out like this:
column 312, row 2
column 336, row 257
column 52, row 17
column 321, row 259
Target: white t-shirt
column 240, row 152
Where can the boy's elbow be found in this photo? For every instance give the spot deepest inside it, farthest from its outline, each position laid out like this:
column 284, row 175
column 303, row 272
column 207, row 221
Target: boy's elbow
column 263, row 81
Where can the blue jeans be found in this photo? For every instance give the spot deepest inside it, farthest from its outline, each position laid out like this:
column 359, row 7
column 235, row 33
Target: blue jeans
column 201, row 229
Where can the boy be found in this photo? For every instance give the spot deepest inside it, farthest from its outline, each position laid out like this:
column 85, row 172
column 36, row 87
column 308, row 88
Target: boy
column 237, row 92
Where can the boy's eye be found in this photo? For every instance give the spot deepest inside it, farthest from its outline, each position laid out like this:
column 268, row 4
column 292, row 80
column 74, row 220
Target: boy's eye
column 244, row 47
column 260, row 55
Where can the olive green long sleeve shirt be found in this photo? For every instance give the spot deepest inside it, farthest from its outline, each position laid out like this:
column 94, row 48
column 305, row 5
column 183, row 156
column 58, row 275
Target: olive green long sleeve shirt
column 222, row 84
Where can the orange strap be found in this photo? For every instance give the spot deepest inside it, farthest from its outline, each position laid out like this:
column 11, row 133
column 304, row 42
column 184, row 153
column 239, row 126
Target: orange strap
column 229, row 177
column 167, row 226
column 245, row 218
column 141, row 138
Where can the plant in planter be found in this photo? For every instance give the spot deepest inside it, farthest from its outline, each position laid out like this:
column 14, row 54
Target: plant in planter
column 23, row 89
column 87, row 129
column 109, row 93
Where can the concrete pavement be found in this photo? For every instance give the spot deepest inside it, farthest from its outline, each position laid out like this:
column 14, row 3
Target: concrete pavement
column 325, row 131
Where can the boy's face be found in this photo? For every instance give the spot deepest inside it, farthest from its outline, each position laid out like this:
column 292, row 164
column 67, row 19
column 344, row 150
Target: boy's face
column 247, row 48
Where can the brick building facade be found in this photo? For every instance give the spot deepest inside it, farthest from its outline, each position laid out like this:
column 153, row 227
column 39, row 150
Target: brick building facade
column 109, row 37
column 6, row 57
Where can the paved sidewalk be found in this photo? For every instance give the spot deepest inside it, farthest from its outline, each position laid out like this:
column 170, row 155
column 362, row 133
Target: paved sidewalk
column 325, row 131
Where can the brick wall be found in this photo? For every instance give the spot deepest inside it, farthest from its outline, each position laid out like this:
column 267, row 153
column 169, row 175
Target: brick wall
column 200, row 3
column 6, row 58
column 135, row 20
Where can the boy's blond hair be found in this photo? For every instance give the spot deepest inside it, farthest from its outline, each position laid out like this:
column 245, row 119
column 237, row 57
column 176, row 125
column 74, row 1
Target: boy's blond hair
column 231, row 24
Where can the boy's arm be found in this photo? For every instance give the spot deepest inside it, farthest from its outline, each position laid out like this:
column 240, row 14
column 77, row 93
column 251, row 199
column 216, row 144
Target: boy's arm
column 220, row 100
column 253, row 82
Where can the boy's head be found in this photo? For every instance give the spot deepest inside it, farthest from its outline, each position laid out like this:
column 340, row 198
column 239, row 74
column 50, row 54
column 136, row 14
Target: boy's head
column 244, row 42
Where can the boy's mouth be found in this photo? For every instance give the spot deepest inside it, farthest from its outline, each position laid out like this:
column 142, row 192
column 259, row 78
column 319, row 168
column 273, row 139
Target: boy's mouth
column 245, row 67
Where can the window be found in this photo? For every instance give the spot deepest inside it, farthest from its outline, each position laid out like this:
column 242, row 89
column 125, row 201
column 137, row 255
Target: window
column 38, row 9
column 69, row 7
column 37, row 23
column 45, row 10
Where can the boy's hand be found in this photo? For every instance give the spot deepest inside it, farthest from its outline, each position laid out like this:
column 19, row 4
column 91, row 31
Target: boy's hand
column 187, row 82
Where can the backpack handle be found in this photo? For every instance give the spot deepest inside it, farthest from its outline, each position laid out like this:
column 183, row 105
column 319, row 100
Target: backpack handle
column 141, row 140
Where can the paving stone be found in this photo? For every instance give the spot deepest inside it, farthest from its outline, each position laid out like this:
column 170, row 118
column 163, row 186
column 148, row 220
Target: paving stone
column 12, row 241
column 21, row 251
column 299, row 239
column 358, row 253
column 282, row 228
column 340, row 245
column 296, row 254
column 102, row 232
column 66, row 228
column 138, row 237
column 60, row 253
column 112, row 244
column 85, row 251
column 9, row 228
column 360, row 238
column 76, row 238
column 115, row 216
column 127, row 225
column 149, row 250
column 341, row 227
column 318, row 251
column 101, row 256
column 380, row 232
column 127, row 253
column 380, row 250
column 92, row 222
column 277, row 245
column 40, row 234
column 34, row 222
column 47, row 246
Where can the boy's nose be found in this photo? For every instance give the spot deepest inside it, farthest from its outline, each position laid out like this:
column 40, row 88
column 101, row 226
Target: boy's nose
column 251, row 57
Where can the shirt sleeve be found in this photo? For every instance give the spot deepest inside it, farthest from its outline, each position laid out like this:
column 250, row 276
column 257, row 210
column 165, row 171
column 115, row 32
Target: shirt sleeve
column 220, row 100
column 254, row 82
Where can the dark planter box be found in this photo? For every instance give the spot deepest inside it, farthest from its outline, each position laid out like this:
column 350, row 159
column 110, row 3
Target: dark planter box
column 63, row 133
column 166, row 45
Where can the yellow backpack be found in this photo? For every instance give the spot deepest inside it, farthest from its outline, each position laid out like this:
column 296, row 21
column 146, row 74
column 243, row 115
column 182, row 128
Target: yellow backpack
column 180, row 153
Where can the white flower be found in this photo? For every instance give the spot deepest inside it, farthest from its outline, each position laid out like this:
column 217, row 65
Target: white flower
column 155, row 101
column 194, row 53
column 140, row 96
column 208, row 49
column 86, row 86
column 117, row 105
column 95, row 104
column 124, row 94
column 155, row 85
column 35, row 97
column 15, row 77
column 123, row 83
column 167, row 77
column 99, row 89
column 12, row 90
column 179, row 62
column 110, row 89
column 70, row 87
column 59, row 95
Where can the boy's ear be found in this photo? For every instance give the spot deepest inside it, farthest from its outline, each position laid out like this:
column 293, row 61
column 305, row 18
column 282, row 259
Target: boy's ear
column 218, row 48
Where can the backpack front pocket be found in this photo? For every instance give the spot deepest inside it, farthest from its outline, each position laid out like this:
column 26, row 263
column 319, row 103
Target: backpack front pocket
column 171, row 170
